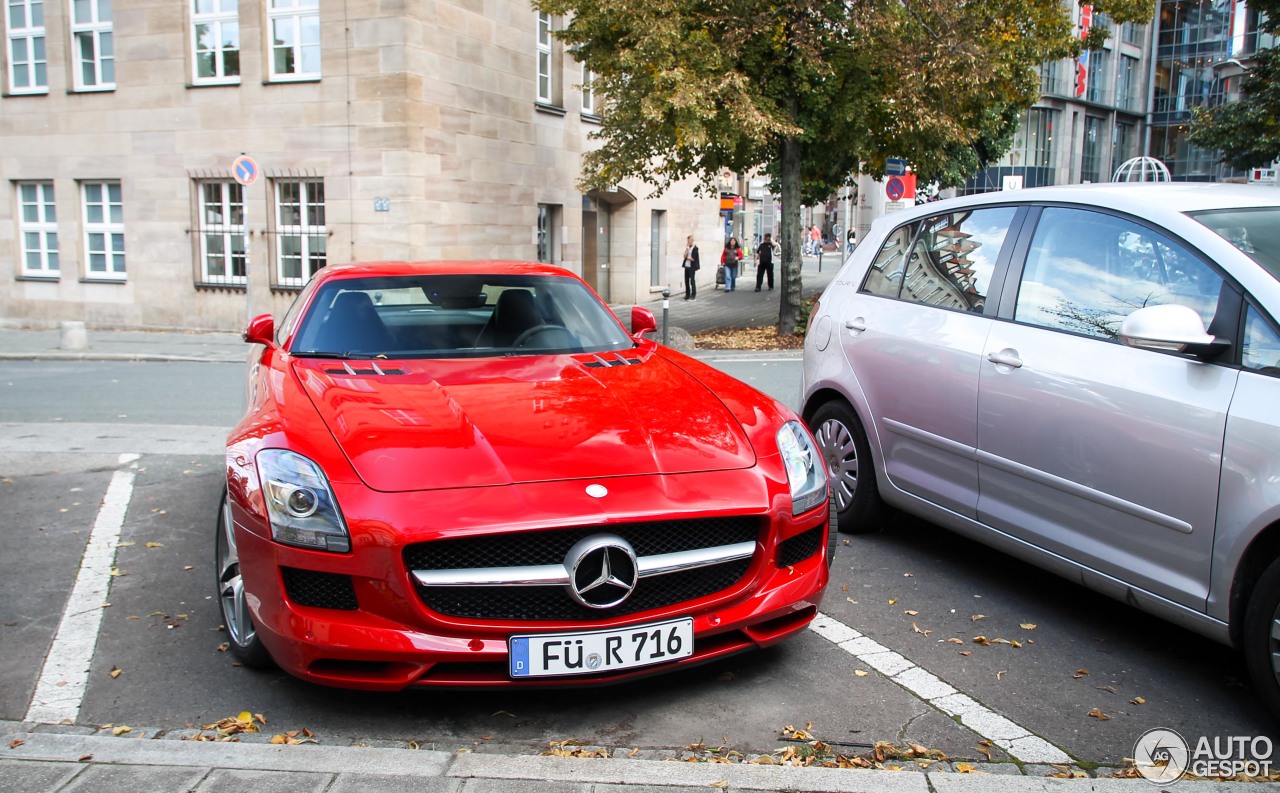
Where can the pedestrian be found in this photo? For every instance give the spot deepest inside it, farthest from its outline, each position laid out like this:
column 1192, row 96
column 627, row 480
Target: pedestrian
column 731, row 257
column 690, row 265
column 765, row 253
column 815, row 240
column 852, row 240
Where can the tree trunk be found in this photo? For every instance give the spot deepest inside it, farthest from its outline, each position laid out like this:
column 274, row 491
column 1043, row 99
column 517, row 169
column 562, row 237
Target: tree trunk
column 790, row 238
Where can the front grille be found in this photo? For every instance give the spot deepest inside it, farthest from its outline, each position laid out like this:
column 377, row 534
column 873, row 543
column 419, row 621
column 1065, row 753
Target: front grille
column 800, row 547
column 321, row 590
column 554, row 603
column 550, row 548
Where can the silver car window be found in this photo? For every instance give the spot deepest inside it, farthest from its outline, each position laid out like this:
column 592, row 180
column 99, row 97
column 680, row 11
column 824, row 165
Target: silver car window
column 954, row 257
column 885, row 276
column 1261, row 349
column 1086, row 271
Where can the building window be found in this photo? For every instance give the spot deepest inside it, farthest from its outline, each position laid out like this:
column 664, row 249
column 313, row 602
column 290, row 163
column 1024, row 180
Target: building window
column 589, row 92
column 103, row 230
column 38, row 228
column 224, row 234
column 1099, row 72
column 94, row 53
column 1091, row 155
column 24, row 26
column 301, row 235
column 1122, row 143
column 548, row 218
column 215, row 42
column 295, row 39
column 657, row 245
column 546, row 84
column 1127, row 82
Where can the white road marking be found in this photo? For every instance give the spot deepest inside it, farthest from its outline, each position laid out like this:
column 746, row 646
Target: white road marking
column 1018, row 741
column 60, row 690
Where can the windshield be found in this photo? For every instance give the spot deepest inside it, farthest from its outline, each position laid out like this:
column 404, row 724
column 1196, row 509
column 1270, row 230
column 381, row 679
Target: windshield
column 452, row 316
column 1256, row 232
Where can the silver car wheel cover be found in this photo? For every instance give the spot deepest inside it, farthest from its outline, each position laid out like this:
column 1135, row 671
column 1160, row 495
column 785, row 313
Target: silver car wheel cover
column 1273, row 644
column 235, row 608
column 835, row 442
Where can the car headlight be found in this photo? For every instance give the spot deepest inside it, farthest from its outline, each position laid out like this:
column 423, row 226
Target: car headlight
column 805, row 473
column 300, row 504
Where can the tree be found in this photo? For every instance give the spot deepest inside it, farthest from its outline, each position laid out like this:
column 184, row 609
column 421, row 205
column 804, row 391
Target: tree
column 812, row 91
column 1247, row 132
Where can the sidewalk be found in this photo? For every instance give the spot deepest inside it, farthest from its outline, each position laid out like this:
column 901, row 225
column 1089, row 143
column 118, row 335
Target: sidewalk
column 714, row 308
column 64, row 759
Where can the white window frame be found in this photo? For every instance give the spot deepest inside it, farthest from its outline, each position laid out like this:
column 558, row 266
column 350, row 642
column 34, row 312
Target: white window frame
column 42, row 224
column 589, row 92
column 230, row 203
column 92, row 46
column 31, row 33
column 546, row 84
column 293, row 16
column 297, row 242
column 221, row 17
column 102, row 217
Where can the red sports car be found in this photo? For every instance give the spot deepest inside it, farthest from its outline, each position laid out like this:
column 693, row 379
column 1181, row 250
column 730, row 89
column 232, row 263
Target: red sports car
column 471, row 474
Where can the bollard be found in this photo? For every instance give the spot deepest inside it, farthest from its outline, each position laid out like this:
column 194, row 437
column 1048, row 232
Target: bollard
column 74, row 336
column 666, row 310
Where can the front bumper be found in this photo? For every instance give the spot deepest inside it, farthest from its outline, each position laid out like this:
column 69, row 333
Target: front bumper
column 373, row 630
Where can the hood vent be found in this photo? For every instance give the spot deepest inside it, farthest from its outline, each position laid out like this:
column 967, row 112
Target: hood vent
column 613, row 360
column 348, row 369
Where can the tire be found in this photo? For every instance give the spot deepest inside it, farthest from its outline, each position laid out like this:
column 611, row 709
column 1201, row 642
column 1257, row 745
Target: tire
column 1261, row 638
column 242, row 636
column 843, row 444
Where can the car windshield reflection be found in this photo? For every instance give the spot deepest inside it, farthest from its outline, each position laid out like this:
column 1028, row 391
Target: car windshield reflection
column 429, row 316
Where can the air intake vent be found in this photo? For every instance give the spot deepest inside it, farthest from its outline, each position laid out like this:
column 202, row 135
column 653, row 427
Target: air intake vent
column 613, row 360
column 369, row 368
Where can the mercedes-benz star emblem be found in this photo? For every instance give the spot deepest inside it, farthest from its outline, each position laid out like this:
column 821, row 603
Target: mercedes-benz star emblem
column 602, row 570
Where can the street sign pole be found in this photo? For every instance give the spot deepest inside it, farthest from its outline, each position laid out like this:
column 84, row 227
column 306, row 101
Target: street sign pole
column 245, row 171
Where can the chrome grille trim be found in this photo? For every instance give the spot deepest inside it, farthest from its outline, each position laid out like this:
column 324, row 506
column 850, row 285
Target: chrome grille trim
column 558, row 575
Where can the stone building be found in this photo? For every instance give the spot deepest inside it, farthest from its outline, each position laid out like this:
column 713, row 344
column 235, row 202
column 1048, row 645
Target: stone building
column 369, row 130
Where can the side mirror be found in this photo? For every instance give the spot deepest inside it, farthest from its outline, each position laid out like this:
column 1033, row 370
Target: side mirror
column 642, row 321
column 1170, row 328
column 261, row 330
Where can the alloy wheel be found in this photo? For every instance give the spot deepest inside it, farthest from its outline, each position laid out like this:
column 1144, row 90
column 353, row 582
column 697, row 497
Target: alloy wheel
column 836, row 444
column 235, row 608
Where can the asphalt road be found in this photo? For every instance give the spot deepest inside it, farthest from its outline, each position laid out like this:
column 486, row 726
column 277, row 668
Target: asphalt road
column 912, row 588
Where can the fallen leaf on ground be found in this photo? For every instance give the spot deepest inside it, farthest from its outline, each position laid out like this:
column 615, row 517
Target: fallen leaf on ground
column 115, row 672
column 977, row 617
column 860, row 672
column 1137, row 701
column 911, row 612
column 155, row 545
column 982, row 640
column 15, row 743
column 1098, row 714
column 121, row 730
column 1027, row 626
column 954, row 640
column 1079, row 673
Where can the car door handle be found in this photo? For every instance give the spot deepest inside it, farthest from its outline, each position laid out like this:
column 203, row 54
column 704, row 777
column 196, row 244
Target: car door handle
column 1005, row 357
column 857, row 324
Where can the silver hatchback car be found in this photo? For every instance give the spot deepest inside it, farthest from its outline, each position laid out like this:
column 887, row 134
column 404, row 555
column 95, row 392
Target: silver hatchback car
column 1087, row 378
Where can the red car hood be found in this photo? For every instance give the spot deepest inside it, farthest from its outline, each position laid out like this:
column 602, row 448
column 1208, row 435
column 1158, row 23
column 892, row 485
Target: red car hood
column 426, row 425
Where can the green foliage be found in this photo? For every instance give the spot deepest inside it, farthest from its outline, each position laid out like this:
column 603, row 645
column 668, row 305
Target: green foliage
column 812, row 91
column 1247, row 132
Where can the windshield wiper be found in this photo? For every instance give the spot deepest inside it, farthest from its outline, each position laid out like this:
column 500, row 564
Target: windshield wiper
column 349, row 356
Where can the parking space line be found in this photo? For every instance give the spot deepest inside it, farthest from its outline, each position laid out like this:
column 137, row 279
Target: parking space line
column 64, row 678
column 1018, row 741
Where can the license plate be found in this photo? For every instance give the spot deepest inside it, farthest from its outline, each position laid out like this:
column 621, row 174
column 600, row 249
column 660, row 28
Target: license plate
column 594, row 652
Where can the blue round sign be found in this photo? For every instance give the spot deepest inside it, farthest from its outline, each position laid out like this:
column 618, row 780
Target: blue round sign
column 895, row 189
column 244, row 170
